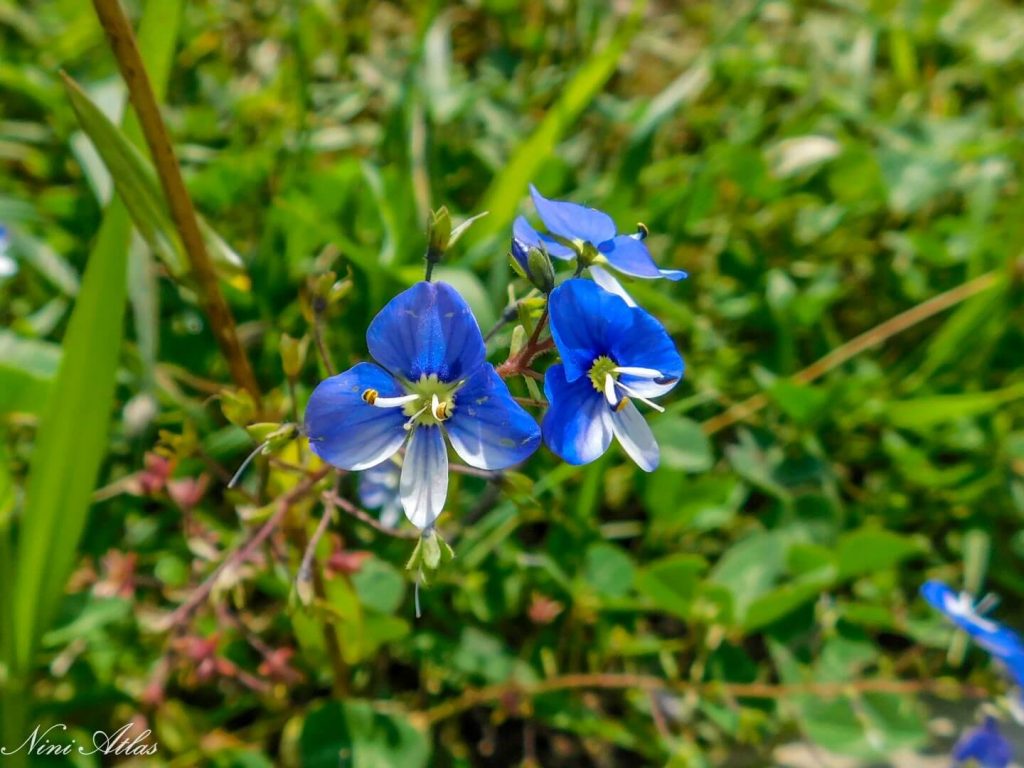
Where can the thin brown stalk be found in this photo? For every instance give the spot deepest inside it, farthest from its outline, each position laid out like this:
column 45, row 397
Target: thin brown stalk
column 871, row 338
column 505, row 692
column 122, row 42
column 363, row 516
column 243, row 553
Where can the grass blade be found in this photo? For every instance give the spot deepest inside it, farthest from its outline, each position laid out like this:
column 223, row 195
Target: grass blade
column 72, row 436
column 508, row 189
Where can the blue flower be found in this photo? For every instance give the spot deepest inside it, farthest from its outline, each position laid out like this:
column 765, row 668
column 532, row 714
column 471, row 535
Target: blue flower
column 612, row 354
column 985, row 745
column 958, row 607
column 378, row 489
column 431, row 380
column 593, row 231
column 8, row 266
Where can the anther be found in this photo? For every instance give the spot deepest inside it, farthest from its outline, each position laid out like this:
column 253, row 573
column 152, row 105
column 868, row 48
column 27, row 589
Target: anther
column 439, row 409
column 370, row 396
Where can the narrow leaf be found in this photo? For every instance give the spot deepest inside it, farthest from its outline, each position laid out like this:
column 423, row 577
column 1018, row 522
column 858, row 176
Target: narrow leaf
column 72, row 436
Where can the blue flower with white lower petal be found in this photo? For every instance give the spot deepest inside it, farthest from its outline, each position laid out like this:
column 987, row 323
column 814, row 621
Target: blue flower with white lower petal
column 985, row 745
column 590, row 235
column 8, row 266
column 612, row 354
column 431, row 380
column 971, row 617
column 378, row 489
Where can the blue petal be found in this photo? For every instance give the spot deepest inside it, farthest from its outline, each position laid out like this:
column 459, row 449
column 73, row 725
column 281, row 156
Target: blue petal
column 585, row 320
column 378, row 485
column 573, row 221
column 488, row 429
column 644, row 343
column 986, row 745
column 937, row 594
column 556, row 249
column 631, row 257
column 1014, row 664
column 576, row 426
column 345, row 431
column 427, row 329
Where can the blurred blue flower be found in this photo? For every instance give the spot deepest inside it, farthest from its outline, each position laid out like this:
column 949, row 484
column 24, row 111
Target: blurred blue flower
column 985, row 745
column 960, row 608
column 8, row 266
column 378, row 489
column 612, row 354
column 589, row 228
column 431, row 379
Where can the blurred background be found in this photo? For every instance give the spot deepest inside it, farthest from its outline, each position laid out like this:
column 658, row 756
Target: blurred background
column 817, row 167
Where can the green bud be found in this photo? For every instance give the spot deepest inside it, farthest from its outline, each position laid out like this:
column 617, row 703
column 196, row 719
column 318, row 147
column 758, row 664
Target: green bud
column 274, row 436
column 518, row 340
column 431, row 550
column 293, row 354
column 439, row 233
column 541, row 272
column 517, row 267
column 416, row 558
column 304, row 587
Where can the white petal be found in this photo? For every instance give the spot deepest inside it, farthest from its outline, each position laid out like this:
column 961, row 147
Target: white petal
column 635, row 437
column 424, row 484
column 605, row 279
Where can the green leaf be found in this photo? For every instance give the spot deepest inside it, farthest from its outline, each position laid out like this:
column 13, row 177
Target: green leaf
column 671, row 583
column 352, row 735
column 139, row 189
column 379, row 586
column 608, row 569
column 684, row 446
column 510, row 185
column 925, row 412
column 72, row 436
column 801, row 402
column 27, row 369
column 873, row 549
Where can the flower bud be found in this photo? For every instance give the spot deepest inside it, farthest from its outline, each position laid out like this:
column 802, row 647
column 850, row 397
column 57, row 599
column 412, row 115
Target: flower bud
column 439, row 233
column 540, row 270
column 293, row 354
column 273, row 435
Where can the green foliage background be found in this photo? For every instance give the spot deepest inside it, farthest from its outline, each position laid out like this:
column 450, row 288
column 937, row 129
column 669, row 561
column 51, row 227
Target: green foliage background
column 816, row 167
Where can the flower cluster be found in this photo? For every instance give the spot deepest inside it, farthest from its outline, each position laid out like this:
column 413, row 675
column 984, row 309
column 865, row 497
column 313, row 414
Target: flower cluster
column 985, row 745
column 430, row 383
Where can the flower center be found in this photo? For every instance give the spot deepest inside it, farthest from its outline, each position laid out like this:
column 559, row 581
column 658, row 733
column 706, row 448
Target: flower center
column 429, row 401
column 600, row 369
column 604, row 377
